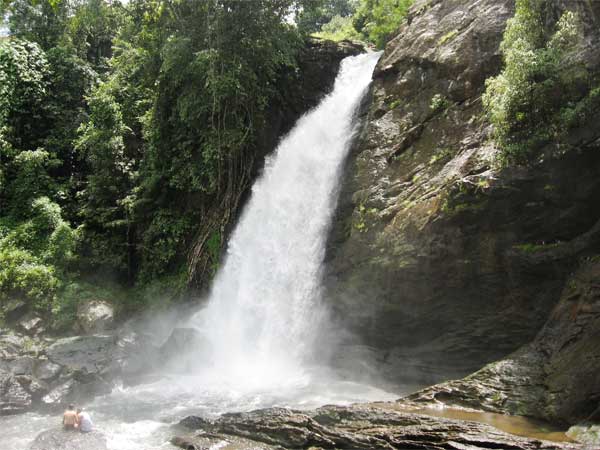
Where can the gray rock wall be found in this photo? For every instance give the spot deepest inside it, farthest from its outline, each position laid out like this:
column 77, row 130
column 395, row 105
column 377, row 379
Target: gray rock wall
column 439, row 260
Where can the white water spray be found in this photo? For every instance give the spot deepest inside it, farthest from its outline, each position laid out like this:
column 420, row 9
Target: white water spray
column 264, row 310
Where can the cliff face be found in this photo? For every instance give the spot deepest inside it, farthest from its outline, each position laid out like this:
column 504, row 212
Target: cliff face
column 440, row 260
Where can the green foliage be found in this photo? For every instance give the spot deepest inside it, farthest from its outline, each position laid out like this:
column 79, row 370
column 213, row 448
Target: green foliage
column 534, row 248
column 447, row 37
column 439, row 103
column 378, row 20
column 338, row 29
column 23, row 86
column 40, row 21
column 163, row 240
column 316, row 14
column 31, row 179
column 213, row 247
column 542, row 92
column 23, row 276
column 123, row 127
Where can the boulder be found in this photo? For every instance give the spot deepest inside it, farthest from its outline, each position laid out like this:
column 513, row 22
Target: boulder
column 60, row 394
column 20, row 366
column 47, row 370
column 31, row 324
column 83, row 354
column 59, row 439
column 95, row 316
column 136, row 353
column 183, row 347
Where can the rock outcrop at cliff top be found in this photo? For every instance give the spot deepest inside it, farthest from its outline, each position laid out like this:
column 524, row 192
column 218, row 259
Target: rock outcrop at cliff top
column 440, row 261
column 359, row 427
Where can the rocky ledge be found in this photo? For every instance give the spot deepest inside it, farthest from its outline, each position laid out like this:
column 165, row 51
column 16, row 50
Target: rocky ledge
column 355, row 427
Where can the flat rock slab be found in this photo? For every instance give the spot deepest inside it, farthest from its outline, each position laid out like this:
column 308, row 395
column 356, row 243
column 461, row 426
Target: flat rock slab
column 59, row 439
column 360, row 427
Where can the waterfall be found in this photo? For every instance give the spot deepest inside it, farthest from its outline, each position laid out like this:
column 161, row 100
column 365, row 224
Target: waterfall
column 264, row 309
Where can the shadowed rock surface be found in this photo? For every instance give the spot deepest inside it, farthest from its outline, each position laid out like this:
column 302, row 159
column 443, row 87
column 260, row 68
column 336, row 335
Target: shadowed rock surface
column 362, row 427
column 555, row 377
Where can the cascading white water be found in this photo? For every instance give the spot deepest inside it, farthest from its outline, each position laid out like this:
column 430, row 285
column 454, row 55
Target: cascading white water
column 264, row 309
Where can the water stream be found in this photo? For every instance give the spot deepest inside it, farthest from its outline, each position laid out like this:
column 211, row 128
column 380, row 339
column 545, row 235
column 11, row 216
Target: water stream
column 262, row 325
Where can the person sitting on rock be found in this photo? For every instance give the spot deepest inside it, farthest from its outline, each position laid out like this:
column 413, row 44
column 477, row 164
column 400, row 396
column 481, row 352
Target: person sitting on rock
column 84, row 420
column 70, row 421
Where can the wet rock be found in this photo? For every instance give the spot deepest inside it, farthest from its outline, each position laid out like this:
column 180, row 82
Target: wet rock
column 47, row 370
column 35, row 387
column 361, row 427
column 183, row 347
column 95, row 316
column 60, row 394
column 184, row 442
column 195, row 423
column 84, row 354
column 13, row 397
column 31, row 324
column 14, row 310
column 11, row 345
column 59, row 439
column 135, row 353
column 21, row 366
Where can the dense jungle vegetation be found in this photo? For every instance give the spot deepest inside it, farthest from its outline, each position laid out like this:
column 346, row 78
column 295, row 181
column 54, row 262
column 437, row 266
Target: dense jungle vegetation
column 123, row 124
column 542, row 93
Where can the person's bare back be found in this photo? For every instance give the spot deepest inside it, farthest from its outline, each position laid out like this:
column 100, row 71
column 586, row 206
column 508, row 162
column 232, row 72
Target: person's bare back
column 70, row 418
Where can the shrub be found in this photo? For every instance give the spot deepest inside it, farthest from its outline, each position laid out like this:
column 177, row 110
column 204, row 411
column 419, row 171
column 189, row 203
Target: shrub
column 338, row 29
column 542, row 91
column 23, row 276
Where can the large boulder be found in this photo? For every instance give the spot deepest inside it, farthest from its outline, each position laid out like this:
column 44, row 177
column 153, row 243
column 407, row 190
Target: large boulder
column 83, row 354
column 185, row 349
column 95, row 316
column 46, row 370
column 59, row 439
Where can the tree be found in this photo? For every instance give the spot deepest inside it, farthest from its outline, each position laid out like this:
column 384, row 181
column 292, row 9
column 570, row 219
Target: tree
column 316, row 13
column 378, row 20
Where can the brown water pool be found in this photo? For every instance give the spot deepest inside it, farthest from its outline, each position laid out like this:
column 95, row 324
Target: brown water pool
column 517, row 425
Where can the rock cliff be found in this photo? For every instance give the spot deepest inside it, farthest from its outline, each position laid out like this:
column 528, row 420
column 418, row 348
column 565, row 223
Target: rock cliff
column 442, row 260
